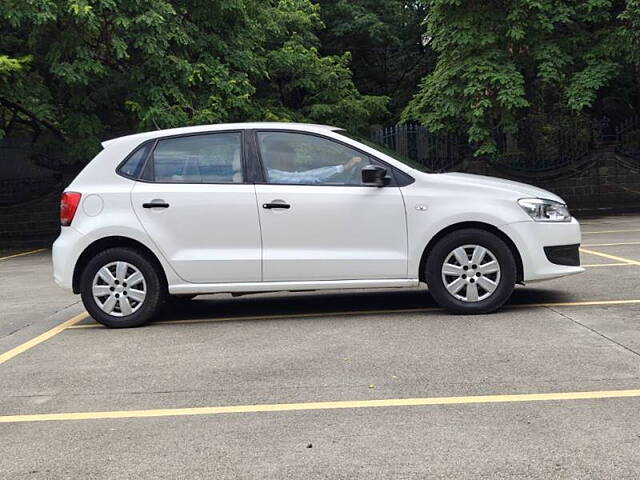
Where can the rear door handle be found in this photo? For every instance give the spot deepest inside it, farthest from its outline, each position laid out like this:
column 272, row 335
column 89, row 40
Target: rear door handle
column 275, row 205
column 155, row 204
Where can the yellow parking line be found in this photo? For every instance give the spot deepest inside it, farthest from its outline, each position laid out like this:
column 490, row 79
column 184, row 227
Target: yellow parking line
column 608, row 265
column 41, row 338
column 610, row 244
column 586, row 303
column 610, row 257
column 277, row 317
column 22, row 254
column 289, row 407
column 595, row 232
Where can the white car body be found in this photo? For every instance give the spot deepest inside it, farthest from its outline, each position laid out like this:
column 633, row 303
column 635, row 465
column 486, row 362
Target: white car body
column 216, row 238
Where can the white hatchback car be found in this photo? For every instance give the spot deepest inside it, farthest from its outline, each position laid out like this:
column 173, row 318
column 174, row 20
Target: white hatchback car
column 258, row 207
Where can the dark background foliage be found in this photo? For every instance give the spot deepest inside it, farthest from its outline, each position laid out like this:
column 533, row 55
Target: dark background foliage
column 81, row 71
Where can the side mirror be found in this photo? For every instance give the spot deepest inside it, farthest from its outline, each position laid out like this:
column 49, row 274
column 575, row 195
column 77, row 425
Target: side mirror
column 374, row 176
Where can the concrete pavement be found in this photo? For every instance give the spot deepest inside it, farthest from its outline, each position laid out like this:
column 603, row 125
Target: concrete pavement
column 577, row 334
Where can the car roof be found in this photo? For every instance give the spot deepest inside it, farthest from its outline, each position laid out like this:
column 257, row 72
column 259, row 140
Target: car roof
column 140, row 137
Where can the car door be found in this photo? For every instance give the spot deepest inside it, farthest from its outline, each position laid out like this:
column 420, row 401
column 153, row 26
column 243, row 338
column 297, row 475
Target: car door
column 195, row 205
column 318, row 221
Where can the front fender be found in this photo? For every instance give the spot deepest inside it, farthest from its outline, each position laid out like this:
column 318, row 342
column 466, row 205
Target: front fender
column 430, row 213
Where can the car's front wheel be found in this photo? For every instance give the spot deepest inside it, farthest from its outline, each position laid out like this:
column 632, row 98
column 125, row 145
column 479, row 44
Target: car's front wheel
column 121, row 288
column 471, row 271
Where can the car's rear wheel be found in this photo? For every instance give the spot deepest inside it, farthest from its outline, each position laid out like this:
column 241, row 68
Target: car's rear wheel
column 121, row 288
column 471, row 271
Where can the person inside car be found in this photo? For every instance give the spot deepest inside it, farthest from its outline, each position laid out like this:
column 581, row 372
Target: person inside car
column 287, row 161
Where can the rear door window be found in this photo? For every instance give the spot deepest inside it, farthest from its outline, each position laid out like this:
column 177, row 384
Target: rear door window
column 210, row 158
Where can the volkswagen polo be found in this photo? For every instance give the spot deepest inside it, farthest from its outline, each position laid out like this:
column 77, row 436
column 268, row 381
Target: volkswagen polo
column 255, row 207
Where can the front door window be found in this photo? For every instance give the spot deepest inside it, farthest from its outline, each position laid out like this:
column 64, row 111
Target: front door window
column 301, row 159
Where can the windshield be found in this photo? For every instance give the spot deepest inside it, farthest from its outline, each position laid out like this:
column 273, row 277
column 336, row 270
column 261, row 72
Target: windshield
column 386, row 150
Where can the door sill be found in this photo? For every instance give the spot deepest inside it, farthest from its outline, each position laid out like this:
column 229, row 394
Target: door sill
column 204, row 288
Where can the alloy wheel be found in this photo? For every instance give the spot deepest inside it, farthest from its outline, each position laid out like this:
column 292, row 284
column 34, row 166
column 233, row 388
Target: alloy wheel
column 471, row 273
column 119, row 289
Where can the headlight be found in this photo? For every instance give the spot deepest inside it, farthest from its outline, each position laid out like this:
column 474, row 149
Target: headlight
column 545, row 210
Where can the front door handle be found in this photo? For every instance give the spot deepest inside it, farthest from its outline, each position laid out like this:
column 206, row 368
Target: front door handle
column 156, row 204
column 275, row 205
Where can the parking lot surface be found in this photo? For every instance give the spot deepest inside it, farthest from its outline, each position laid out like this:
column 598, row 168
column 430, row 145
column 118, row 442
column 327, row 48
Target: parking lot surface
column 375, row 384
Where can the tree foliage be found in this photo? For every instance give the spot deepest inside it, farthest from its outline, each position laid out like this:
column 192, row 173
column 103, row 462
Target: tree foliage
column 86, row 69
column 498, row 62
column 385, row 39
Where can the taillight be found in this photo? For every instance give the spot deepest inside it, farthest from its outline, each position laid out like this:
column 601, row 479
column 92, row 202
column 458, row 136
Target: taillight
column 69, row 202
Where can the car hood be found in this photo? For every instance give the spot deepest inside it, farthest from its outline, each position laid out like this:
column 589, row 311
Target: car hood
column 509, row 187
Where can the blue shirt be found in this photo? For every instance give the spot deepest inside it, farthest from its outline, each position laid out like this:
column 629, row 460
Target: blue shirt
column 316, row 175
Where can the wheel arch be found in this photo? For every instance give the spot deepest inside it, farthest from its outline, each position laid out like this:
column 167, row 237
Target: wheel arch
column 113, row 242
column 478, row 225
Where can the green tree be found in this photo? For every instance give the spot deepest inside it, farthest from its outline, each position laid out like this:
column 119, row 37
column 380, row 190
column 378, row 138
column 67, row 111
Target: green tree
column 298, row 82
column 501, row 61
column 86, row 69
column 386, row 42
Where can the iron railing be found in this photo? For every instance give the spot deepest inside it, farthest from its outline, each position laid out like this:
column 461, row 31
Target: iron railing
column 539, row 145
column 19, row 190
column 543, row 144
column 437, row 152
column 27, row 171
column 628, row 138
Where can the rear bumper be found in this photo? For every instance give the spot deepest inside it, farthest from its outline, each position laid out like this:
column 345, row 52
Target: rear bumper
column 65, row 252
column 531, row 239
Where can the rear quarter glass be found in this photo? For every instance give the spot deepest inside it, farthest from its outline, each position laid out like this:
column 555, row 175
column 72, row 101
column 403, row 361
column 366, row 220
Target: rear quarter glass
column 133, row 165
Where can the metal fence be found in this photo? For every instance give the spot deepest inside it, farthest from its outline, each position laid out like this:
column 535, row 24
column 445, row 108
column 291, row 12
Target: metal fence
column 42, row 155
column 539, row 145
column 27, row 170
column 438, row 153
column 628, row 138
column 19, row 190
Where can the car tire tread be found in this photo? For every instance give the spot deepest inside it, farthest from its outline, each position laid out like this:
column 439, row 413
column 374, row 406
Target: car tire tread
column 445, row 245
column 156, row 290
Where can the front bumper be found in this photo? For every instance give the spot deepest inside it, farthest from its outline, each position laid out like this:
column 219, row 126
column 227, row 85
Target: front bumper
column 531, row 238
column 564, row 255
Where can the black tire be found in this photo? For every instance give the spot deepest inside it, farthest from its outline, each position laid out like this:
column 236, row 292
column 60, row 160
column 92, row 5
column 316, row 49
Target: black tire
column 441, row 251
column 155, row 288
